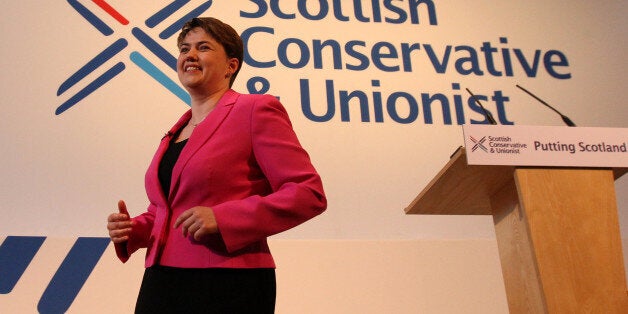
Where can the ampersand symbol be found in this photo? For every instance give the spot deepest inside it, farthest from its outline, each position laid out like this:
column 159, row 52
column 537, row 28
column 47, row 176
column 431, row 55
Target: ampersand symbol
column 258, row 85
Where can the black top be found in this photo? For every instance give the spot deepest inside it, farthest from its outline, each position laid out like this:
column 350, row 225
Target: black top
column 167, row 163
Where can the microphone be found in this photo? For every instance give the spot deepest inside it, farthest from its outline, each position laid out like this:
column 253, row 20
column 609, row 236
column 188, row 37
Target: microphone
column 565, row 118
column 487, row 114
column 168, row 134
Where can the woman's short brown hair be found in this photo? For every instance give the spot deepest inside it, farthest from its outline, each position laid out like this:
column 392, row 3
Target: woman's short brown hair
column 223, row 33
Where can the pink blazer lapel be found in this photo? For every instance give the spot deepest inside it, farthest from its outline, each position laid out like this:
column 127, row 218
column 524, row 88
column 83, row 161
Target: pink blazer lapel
column 153, row 185
column 202, row 133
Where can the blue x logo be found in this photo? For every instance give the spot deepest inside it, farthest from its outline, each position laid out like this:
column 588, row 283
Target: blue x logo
column 478, row 144
column 119, row 45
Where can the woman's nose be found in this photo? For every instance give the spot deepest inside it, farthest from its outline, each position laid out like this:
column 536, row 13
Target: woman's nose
column 191, row 55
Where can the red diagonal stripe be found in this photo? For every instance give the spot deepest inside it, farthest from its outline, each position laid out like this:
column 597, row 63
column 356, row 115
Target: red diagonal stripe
column 115, row 14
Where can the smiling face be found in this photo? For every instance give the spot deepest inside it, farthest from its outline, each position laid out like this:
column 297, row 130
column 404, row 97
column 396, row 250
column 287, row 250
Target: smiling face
column 203, row 65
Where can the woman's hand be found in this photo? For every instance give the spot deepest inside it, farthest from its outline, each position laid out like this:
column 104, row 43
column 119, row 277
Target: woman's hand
column 198, row 222
column 119, row 224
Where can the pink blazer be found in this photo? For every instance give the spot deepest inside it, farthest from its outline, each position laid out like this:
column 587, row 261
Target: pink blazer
column 244, row 161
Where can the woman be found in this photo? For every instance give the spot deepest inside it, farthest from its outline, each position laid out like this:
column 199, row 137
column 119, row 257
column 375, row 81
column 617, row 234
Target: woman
column 230, row 173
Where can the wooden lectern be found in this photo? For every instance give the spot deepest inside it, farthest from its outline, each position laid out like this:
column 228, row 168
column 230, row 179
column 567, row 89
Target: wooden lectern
column 557, row 231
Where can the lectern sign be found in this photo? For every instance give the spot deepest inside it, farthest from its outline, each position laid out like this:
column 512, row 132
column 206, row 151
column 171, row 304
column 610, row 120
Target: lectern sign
column 546, row 146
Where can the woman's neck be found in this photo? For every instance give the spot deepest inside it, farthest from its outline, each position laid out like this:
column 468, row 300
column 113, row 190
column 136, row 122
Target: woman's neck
column 203, row 104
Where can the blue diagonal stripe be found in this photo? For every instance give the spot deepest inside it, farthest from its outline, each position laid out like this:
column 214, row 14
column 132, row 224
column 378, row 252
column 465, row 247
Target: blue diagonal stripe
column 176, row 26
column 90, row 17
column 72, row 275
column 16, row 253
column 155, row 48
column 97, row 61
column 165, row 13
column 97, row 83
column 160, row 77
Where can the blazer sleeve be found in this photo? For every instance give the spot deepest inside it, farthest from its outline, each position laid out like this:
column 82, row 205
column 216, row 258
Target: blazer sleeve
column 297, row 190
column 140, row 235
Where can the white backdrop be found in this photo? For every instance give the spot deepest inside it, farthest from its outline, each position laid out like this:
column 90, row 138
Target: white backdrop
column 63, row 174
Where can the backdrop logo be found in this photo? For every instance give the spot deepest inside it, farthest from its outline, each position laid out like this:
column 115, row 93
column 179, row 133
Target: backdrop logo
column 478, row 144
column 120, row 44
column 16, row 253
